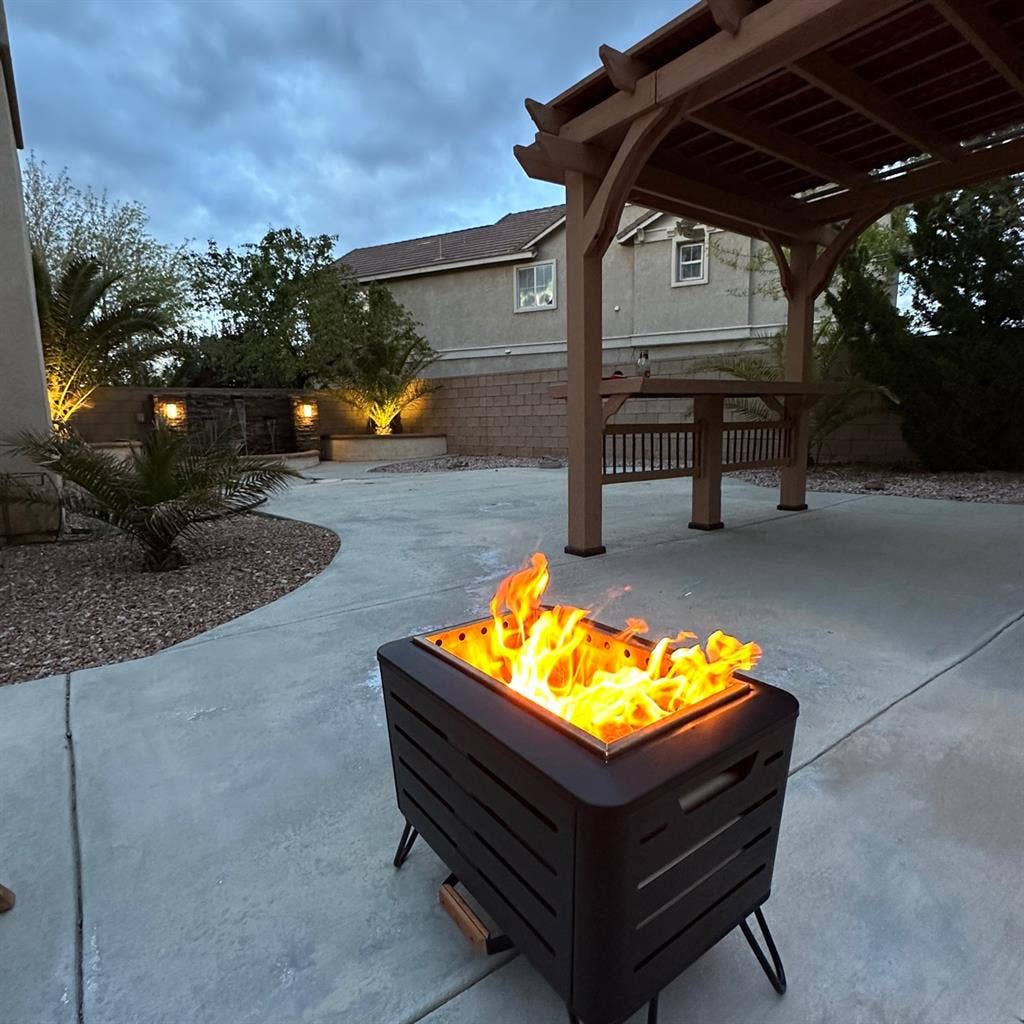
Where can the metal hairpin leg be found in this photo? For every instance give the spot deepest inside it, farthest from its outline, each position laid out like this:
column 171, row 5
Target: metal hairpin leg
column 776, row 976
column 652, row 1013
column 409, row 835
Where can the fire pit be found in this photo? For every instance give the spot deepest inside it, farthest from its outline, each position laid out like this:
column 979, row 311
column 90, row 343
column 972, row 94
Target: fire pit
column 612, row 804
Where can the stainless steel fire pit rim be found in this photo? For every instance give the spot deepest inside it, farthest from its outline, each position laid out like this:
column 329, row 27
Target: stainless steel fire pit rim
column 738, row 689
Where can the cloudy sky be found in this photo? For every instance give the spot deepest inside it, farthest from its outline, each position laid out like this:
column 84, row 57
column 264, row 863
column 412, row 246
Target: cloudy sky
column 372, row 121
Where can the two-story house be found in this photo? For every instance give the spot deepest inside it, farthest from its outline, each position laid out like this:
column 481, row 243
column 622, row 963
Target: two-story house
column 489, row 298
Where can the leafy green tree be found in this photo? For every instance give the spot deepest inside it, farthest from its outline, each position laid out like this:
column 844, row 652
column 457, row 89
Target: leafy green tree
column 256, row 310
column 955, row 360
column 68, row 223
column 89, row 338
column 168, row 489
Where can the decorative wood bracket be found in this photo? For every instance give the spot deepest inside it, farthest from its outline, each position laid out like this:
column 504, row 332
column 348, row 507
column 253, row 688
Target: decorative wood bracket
column 544, row 116
column 729, row 14
column 623, row 70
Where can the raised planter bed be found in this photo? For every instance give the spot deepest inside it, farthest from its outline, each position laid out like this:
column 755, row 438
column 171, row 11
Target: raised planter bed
column 381, row 447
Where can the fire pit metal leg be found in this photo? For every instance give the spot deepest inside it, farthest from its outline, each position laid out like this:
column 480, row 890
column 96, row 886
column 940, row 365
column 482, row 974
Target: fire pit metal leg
column 652, row 1013
column 773, row 971
column 405, row 844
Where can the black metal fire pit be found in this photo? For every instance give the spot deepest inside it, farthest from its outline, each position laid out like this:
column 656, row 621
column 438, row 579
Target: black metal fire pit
column 611, row 867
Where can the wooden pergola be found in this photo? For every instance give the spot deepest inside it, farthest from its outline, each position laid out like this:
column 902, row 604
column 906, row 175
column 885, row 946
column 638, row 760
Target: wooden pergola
column 798, row 122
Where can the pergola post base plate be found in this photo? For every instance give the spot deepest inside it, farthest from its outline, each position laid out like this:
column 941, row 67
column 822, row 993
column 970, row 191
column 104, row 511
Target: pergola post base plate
column 585, row 552
column 706, row 526
column 791, row 508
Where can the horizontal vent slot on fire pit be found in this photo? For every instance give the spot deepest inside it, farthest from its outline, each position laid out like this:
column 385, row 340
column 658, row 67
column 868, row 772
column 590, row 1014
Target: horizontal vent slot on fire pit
column 692, row 897
column 700, row 881
column 538, row 814
column 704, row 842
column 700, row 917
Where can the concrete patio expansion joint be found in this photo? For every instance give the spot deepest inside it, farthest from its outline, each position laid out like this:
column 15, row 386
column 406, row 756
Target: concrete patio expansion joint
column 1008, row 623
column 76, row 852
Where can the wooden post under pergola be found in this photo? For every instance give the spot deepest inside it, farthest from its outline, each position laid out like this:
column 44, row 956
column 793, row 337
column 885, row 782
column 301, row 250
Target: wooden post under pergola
column 796, row 123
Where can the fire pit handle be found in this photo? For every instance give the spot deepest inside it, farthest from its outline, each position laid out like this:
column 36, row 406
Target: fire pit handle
column 718, row 784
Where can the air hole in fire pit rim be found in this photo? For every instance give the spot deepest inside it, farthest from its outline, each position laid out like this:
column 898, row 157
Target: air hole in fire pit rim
column 439, row 643
column 483, row 630
column 462, row 636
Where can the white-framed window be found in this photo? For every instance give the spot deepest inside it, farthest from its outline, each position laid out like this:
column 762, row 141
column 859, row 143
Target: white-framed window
column 535, row 287
column 690, row 259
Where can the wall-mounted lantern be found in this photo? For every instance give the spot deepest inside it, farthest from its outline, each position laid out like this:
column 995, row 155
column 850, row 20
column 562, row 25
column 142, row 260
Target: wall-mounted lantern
column 170, row 411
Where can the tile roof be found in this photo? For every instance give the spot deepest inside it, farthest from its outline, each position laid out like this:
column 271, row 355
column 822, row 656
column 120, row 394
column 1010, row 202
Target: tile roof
column 505, row 237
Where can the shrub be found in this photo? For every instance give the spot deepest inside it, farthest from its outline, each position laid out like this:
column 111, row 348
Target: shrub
column 166, row 490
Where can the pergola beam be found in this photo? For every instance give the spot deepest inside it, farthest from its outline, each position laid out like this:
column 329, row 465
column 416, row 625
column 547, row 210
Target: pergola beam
column 713, row 200
column 826, row 73
column 982, row 31
column 779, row 31
column 742, row 128
column 552, row 156
column 975, row 167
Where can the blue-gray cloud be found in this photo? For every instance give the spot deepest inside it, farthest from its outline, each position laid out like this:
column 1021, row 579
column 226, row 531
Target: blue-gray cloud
column 373, row 121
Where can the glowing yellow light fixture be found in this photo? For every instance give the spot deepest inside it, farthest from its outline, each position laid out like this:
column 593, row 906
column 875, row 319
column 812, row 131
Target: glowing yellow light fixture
column 306, row 411
column 172, row 410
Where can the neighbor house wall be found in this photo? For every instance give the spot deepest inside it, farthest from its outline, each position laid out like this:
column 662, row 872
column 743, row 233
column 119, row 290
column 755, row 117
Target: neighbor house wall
column 469, row 315
column 23, row 401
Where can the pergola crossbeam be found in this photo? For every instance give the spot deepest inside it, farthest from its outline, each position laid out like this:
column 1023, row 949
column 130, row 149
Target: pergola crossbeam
column 546, row 117
column 977, row 166
column 826, row 73
column 728, row 121
column 771, row 34
column 982, row 31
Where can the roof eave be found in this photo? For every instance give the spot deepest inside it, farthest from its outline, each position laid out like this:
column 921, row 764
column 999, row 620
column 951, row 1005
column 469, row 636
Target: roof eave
column 437, row 268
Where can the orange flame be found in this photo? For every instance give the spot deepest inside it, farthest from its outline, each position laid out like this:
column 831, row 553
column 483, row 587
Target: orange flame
column 608, row 689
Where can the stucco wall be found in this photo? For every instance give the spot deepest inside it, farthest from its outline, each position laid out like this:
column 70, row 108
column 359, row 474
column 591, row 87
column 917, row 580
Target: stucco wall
column 468, row 315
column 23, row 402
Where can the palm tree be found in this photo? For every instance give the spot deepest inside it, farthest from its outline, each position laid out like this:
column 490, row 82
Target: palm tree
column 166, row 490
column 380, row 371
column 88, row 340
column 831, row 363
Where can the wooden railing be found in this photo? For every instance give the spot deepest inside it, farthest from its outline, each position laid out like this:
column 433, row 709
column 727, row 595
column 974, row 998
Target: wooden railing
column 649, row 451
column 756, row 444
column 658, row 451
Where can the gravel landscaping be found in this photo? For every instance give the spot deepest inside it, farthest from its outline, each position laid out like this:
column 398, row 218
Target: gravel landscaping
column 447, row 463
column 998, row 487
column 85, row 602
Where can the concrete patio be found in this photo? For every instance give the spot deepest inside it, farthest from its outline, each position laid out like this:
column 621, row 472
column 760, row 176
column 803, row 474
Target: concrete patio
column 223, row 812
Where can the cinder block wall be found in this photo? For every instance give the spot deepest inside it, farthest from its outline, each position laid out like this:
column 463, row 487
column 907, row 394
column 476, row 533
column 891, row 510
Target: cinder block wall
column 488, row 414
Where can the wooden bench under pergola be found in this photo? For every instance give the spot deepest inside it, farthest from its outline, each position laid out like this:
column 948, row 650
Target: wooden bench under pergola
column 798, row 123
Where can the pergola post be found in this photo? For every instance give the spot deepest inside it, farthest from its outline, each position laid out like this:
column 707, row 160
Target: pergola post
column 584, row 362
column 706, row 499
column 798, row 366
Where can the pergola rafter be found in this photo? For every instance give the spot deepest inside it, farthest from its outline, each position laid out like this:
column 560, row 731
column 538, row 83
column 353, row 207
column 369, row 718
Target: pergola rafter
column 799, row 124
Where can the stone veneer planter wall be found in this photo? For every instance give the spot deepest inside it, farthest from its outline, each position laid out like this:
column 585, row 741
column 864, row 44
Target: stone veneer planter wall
column 381, row 447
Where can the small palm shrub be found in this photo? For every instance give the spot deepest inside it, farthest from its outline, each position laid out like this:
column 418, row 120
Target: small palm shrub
column 832, row 364
column 379, row 373
column 165, row 491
